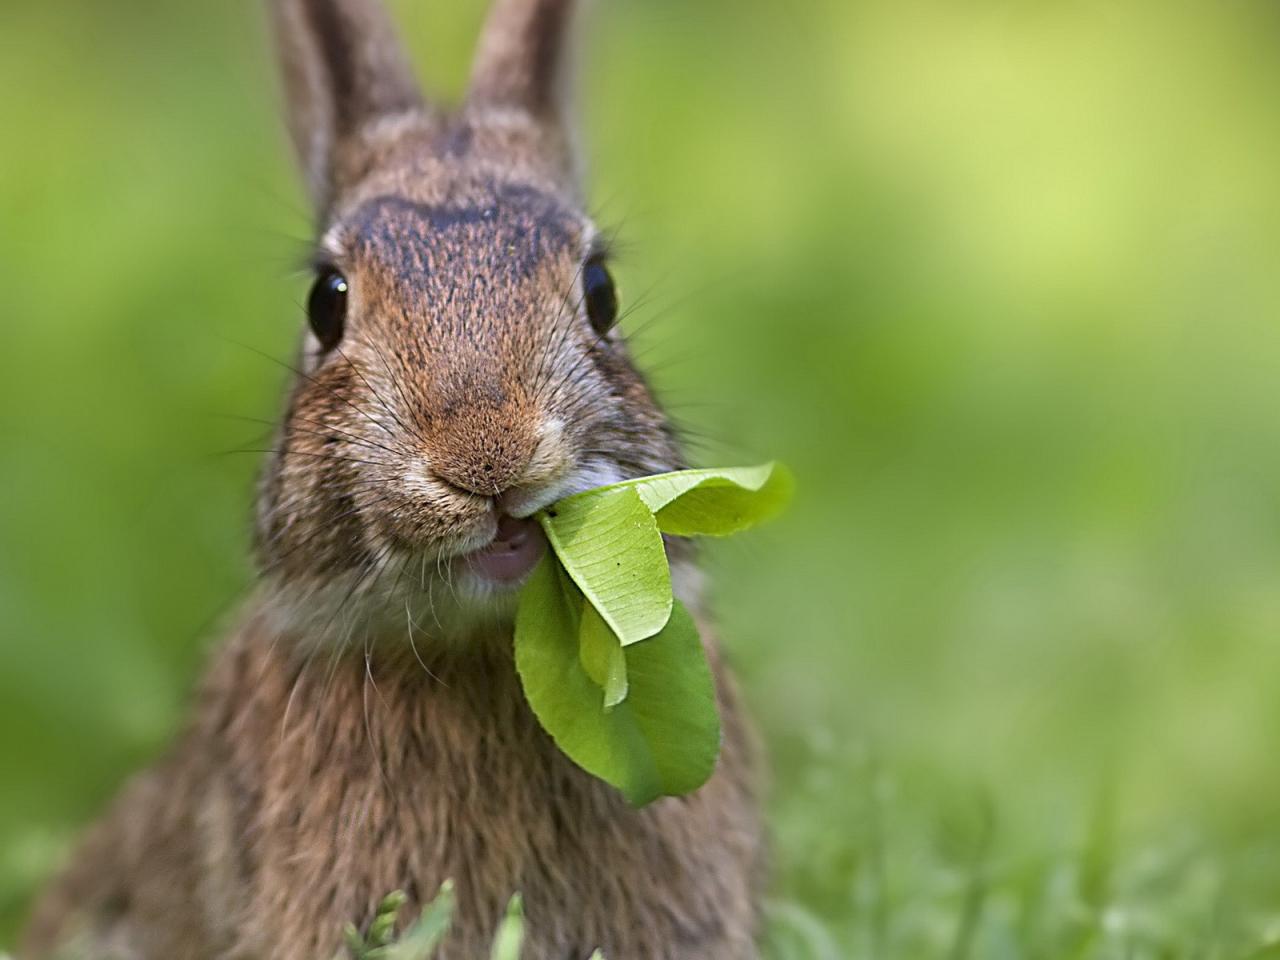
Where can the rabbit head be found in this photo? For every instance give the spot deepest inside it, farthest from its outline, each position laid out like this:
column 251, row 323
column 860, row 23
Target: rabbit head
column 460, row 368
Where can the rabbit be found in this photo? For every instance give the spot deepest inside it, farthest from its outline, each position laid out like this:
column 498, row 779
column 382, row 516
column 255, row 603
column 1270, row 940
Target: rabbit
column 362, row 729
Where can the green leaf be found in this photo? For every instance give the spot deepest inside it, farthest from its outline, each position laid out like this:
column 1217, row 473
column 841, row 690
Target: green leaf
column 672, row 699
column 663, row 739
column 714, row 502
column 609, row 544
column 354, row 940
column 639, row 715
column 506, row 945
column 602, row 656
column 383, row 927
column 563, row 696
column 419, row 942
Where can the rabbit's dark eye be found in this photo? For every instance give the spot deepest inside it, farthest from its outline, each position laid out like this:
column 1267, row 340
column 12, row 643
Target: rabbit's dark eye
column 327, row 308
column 600, row 296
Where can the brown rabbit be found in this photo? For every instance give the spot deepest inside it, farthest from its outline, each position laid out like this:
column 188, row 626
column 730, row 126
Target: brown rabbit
column 363, row 729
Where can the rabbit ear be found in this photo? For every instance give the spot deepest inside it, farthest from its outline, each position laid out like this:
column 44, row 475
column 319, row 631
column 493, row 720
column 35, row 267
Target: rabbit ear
column 343, row 67
column 522, row 64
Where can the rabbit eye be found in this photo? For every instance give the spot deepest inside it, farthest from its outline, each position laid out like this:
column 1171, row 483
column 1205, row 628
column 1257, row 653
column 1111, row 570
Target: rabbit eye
column 327, row 308
column 600, row 296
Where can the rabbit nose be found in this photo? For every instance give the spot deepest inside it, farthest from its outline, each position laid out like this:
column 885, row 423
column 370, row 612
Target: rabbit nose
column 489, row 474
column 486, row 455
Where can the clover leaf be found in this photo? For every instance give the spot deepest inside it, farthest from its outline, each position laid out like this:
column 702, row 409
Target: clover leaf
column 610, row 545
column 602, row 656
column 662, row 738
column 712, row 503
column 610, row 662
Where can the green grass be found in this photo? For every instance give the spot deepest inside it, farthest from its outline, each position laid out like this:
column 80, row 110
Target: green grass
column 942, row 877
column 944, row 887
column 953, row 897
column 996, row 279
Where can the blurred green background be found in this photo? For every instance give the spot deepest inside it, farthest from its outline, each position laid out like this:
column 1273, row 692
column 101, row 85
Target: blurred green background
column 1001, row 282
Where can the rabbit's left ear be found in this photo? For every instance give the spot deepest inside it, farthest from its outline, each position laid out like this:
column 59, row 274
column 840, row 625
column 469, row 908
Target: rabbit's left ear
column 523, row 63
column 343, row 68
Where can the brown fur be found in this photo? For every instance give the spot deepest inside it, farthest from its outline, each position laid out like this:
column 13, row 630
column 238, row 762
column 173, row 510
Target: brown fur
column 260, row 835
column 363, row 730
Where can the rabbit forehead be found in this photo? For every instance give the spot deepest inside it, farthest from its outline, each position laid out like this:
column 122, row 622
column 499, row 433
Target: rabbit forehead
column 510, row 230
column 476, row 287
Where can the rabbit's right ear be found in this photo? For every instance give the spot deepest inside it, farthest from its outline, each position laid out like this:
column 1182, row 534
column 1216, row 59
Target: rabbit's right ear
column 523, row 64
column 343, row 67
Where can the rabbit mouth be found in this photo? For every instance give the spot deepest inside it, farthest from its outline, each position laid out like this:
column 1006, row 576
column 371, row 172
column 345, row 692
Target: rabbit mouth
column 510, row 556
